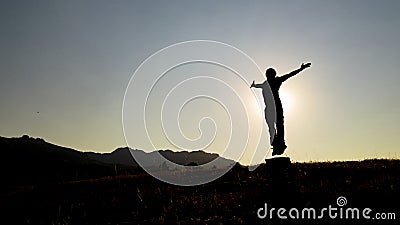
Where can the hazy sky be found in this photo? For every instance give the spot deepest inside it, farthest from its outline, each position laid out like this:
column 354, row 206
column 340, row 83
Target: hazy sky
column 72, row 60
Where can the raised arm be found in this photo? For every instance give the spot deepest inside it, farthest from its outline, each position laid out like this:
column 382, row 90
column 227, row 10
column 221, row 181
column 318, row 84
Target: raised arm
column 294, row 72
column 255, row 85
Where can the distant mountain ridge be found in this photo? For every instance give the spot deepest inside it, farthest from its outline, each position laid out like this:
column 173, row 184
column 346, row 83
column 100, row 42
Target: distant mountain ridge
column 123, row 156
column 26, row 160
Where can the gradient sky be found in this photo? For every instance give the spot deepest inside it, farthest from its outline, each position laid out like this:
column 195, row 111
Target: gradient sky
column 72, row 60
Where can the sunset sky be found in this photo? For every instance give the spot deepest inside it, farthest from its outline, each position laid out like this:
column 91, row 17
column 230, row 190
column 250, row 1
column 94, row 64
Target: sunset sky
column 65, row 65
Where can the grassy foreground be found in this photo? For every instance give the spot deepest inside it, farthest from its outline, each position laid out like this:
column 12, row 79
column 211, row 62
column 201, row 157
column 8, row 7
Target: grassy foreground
column 232, row 199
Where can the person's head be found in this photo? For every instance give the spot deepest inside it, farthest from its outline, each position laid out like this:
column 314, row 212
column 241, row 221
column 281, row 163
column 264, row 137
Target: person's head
column 270, row 73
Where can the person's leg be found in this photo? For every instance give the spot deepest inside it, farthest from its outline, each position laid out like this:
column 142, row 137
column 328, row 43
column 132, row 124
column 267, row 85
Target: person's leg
column 279, row 144
column 280, row 128
column 270, row 118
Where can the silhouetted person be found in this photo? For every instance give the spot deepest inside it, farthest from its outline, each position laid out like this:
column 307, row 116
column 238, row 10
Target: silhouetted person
column 277, row 135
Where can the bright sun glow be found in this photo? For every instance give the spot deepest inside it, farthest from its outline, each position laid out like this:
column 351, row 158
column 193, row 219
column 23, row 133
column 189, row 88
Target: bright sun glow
column 287, row 101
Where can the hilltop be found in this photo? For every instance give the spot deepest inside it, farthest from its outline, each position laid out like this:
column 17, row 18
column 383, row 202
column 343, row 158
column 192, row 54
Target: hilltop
column 97, row 192
column 27, row 160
